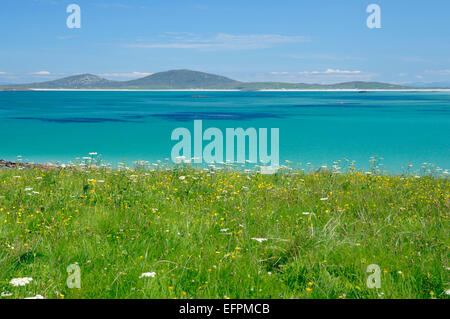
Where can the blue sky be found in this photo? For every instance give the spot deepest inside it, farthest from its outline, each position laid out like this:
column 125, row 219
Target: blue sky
column 320, row 41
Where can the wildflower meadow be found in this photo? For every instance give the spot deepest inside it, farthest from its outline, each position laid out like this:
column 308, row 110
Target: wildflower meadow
column 189, row 232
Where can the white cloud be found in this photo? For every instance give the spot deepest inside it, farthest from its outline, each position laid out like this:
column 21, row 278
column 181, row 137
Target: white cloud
column 41, row 73
column 330, row 71
column 113, row 5
column 337, row 71
column 221, row 41
column 280, row 73
column 442, row 72
column 64, row 37
column 2, row 72
column 172, row 46
column 326, row 72
column 127, row 75
column 323, row 56
column 327, row 76
column 412, row 59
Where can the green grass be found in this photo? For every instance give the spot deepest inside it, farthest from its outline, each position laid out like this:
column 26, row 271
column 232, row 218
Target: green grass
column 196, row 234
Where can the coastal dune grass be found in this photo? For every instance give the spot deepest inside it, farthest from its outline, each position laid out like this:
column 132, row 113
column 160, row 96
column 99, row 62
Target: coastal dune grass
column 222, row 233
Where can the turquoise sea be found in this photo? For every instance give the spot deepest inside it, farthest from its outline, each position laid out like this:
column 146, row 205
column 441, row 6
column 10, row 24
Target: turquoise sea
column 317, row 128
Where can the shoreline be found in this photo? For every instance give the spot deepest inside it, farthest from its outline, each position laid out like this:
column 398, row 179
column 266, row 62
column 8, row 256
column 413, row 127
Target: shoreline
column 232, row 90
column 6, row 164
column 12, row 165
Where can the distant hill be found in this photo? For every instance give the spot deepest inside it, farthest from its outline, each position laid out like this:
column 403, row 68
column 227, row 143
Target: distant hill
column 360, row 85
column 430, row 85
column 356, row 85
column 187, row 79
column 12, row 88
column 182, row 79
column 82, row 81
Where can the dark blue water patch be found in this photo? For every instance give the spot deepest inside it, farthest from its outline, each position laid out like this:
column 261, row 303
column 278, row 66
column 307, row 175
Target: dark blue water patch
column 136, row 116
column 438, row 111
column 190, row 116
column 71, row 120
column 389, row 97
column 340, row 105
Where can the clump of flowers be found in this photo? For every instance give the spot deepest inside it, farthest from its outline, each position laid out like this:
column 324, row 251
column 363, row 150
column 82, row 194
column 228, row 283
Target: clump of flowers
column 18, row 282
column 260, row 240
column 36, row 297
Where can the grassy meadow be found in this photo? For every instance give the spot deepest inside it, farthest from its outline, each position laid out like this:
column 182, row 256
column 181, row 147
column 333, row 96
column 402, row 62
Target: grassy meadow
column 222, row 233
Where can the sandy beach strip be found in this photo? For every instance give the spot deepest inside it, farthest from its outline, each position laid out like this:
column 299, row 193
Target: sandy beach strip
column 261, row 90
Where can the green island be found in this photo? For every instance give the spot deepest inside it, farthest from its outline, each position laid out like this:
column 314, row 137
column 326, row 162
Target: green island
column 193, row 80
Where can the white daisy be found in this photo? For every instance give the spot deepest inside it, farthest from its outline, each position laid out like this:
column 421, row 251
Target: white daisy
column 148, row 274
column 16, row 282
column 260, row 240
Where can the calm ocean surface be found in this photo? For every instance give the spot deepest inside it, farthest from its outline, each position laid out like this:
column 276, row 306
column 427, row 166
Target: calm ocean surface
column 315, row 127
